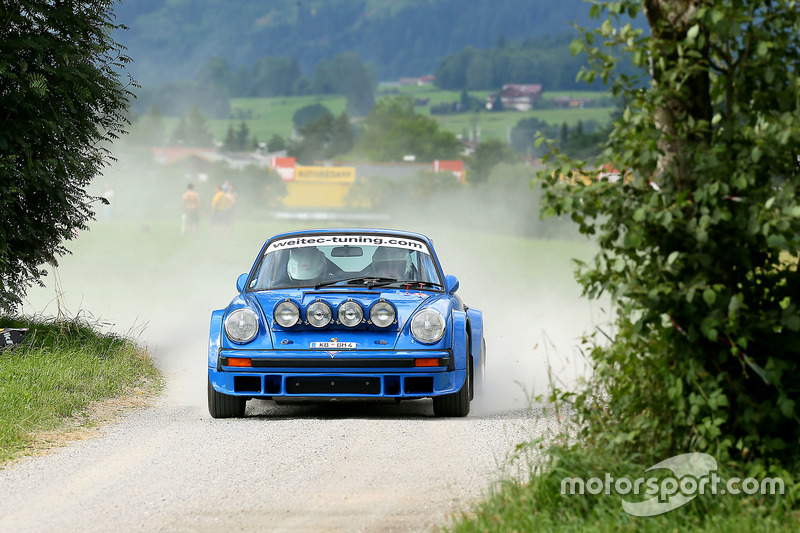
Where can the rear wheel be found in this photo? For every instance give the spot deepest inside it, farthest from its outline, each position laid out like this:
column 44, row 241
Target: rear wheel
column 455, row 404
column 223, row 405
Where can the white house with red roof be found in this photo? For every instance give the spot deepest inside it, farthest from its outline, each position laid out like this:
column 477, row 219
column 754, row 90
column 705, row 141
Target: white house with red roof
column 522, row 97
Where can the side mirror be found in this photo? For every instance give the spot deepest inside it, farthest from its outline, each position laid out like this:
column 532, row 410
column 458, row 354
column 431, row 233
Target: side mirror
column 450, row 284
column 240, row 281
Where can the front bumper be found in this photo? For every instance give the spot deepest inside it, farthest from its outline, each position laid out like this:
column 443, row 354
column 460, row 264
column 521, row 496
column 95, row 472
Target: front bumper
column 345, row 374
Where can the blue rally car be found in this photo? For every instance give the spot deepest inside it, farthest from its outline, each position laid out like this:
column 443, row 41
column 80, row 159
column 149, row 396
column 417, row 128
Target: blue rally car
column 346, row 313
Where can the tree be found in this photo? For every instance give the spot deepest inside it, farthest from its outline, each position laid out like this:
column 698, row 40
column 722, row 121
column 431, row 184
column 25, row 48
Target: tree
column 563, row 135
column 217, row 72
column 488, row 154
column 276, row 143
column 316, row 137
column 465, row 100
column 325, row 137
column 62, row 101
column 700, row 250
column 393, row 130
column 497, row 103
column 480, row 73
column 193, row 130
column 343, row 136
column 230, row 144
column 243, row 140
column 360, row 95
column 309, row 113
column 239, row 140
column 274, row 76
column 526, row 131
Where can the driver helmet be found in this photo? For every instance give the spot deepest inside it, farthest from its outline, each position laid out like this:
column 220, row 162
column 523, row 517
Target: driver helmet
column 390, row 262
column 305, row 264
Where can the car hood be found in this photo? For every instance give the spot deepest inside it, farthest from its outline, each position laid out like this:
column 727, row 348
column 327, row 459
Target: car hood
column 406, row 302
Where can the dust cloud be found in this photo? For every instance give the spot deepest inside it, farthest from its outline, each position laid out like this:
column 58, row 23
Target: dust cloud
column 135, row 274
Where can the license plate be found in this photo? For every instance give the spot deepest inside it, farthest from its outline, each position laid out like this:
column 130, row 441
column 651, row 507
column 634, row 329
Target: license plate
column 333, row 345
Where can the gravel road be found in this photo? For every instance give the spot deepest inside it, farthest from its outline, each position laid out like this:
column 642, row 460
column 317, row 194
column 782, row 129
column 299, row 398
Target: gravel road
column 325, row 467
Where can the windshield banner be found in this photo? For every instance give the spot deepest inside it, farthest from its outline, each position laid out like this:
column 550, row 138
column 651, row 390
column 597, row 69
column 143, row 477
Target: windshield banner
column 391, row 241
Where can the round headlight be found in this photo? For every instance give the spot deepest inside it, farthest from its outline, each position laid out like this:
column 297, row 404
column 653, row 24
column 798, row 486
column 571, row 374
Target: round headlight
column 427, row 326
column 350, row 314
column 241, row 325
column 382, row 314
column 286, row 314
column 319, row 314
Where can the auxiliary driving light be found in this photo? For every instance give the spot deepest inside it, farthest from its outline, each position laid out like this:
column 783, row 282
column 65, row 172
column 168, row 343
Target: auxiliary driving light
column 319, row 314
column 287, row 314
column 350, row 314
column 382, row 314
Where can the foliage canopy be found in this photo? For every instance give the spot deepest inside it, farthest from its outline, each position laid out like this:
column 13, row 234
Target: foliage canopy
column 699, row 251
column 61, row 101
column 393, row 130
column 402, row 37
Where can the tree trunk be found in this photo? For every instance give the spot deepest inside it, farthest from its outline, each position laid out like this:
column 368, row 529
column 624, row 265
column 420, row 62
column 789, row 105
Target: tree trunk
column 670, row 21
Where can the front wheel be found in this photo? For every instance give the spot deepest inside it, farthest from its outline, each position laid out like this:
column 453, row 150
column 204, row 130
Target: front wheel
column 455, row 404
column 223, row 405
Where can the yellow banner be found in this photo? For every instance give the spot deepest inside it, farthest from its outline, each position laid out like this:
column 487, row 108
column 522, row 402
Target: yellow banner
column 327, row 174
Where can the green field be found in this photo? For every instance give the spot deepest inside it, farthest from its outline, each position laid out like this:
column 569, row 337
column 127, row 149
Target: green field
column 498, row 125
column 273, row 116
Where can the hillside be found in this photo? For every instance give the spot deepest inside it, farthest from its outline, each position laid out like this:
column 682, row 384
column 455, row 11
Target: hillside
column 172, row 39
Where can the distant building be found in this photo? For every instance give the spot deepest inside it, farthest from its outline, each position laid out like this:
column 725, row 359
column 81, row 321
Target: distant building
column 456, row 167
column 192, row 161
column 522, row 97
column 568, row 101
column 198, row 161
column 422, row 80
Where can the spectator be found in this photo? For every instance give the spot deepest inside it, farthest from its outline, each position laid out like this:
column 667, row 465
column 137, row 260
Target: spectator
column 190, row 201
column 221, row 207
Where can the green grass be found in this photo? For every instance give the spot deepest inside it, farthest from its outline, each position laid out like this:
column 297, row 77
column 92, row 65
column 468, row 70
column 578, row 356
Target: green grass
column 62, row 367
column 497, row 125
column 273, row 116
column 535, row 502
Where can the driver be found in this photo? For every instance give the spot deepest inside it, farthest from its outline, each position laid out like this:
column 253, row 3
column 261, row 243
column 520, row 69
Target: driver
column 306, row 264
column 390, row 263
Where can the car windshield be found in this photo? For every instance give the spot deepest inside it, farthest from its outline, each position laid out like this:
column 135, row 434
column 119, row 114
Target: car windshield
column 330, row 260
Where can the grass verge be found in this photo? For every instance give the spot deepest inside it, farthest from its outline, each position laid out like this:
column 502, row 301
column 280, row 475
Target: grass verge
column 536, row 502
column 55, row 380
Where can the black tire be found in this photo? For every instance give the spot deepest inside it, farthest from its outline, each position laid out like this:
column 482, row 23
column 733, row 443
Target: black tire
column 225, row 406
column 455, row 404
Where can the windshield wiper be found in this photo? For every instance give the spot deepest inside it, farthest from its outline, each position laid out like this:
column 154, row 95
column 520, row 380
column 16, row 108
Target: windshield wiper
column 369, row 281
column 420, row 284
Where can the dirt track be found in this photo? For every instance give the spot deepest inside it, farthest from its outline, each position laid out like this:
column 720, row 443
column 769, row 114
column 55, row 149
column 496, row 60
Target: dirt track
column 342, row 467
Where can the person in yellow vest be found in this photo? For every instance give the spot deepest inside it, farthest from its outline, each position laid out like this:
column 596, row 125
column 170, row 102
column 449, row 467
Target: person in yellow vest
column 221, row 207
column 190, row 201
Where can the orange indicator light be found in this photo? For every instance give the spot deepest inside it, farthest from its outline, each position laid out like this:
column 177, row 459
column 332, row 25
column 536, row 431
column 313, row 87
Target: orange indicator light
column 240, row 361
column 426, row 362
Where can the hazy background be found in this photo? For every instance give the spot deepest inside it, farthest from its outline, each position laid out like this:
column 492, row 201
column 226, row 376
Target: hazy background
column 143, row 279
column 135, row 274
